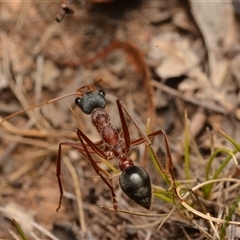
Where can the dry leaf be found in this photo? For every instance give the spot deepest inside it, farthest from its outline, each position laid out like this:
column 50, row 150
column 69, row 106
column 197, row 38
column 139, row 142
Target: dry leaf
column 188, row 85
column 174, row 54
column 216, row 23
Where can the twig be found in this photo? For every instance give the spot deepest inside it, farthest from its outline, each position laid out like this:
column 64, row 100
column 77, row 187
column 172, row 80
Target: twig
column 77, row 190
column 32, row 223
column 194, row 101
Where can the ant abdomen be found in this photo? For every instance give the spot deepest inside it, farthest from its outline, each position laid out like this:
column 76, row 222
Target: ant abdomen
column 136, row 184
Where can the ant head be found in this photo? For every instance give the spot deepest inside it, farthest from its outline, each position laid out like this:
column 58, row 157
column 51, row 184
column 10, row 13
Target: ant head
column 136, row 184
column 91, row 100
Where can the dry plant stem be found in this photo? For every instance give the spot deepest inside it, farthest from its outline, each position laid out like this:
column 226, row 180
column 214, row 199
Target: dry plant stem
column 202, row 230
column 6, row 126
column 196, row 73
column 213, row 227
column 162, row 218
column 185, row 233
column 147, row 225
column 24, row 132
column 14, row 235
column 28, row 221
column 134, row 212
column 29, row 141
column 38, row 79
column 11, row 80
column 94, row 210
column 22, row 15
column 135, row 221
column 149, row 235
column 33, row 159
column 230, row 189
column 52, row 28
column 210, row 218
column 5, row 155
column 203, row 209
column 75, row 117
column 32, row 234
column 176, row 93
column 77, row 190
column 5, row 55
column 166, row 218
column 35, row 116
column 11, row 146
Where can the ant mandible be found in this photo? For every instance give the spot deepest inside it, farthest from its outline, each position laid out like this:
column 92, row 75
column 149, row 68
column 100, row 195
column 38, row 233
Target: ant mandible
column 134, row 180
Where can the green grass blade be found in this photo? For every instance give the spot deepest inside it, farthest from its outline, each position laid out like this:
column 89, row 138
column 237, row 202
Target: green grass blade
column 208, row 188
column 231, row 212
column 20, row 231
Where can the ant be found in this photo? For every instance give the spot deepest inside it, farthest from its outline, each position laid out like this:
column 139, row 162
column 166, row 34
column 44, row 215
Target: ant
column 134, row 180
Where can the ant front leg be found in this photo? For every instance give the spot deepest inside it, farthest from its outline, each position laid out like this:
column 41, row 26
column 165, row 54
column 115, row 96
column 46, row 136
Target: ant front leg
column 98, row 170
column 85, row 149
column 73, row 145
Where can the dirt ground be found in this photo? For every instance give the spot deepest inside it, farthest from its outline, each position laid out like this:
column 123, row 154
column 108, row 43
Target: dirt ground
column 173, row 63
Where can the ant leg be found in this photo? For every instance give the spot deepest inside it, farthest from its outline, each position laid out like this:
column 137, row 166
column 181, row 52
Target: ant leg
column 152, row 135
column 58, row 169
column 90, row 144
column 85, row 151
column 124, row 127
column 73, row 145
column 146, row 138
column 97, row 169
column 142, row 140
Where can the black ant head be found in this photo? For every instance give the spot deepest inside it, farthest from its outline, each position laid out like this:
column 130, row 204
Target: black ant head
column 136, row 184
column 91, row 100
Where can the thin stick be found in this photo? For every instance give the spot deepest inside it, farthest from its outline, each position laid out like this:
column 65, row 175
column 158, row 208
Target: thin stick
column 28, row 221
column 175, row 93
column 39, row 105
column 78, row 192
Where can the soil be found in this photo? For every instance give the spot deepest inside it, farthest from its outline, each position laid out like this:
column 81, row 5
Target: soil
column 157, row 58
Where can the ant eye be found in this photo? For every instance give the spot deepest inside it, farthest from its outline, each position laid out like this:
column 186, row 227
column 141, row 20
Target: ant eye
column 102, row 92
column 78, row 101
